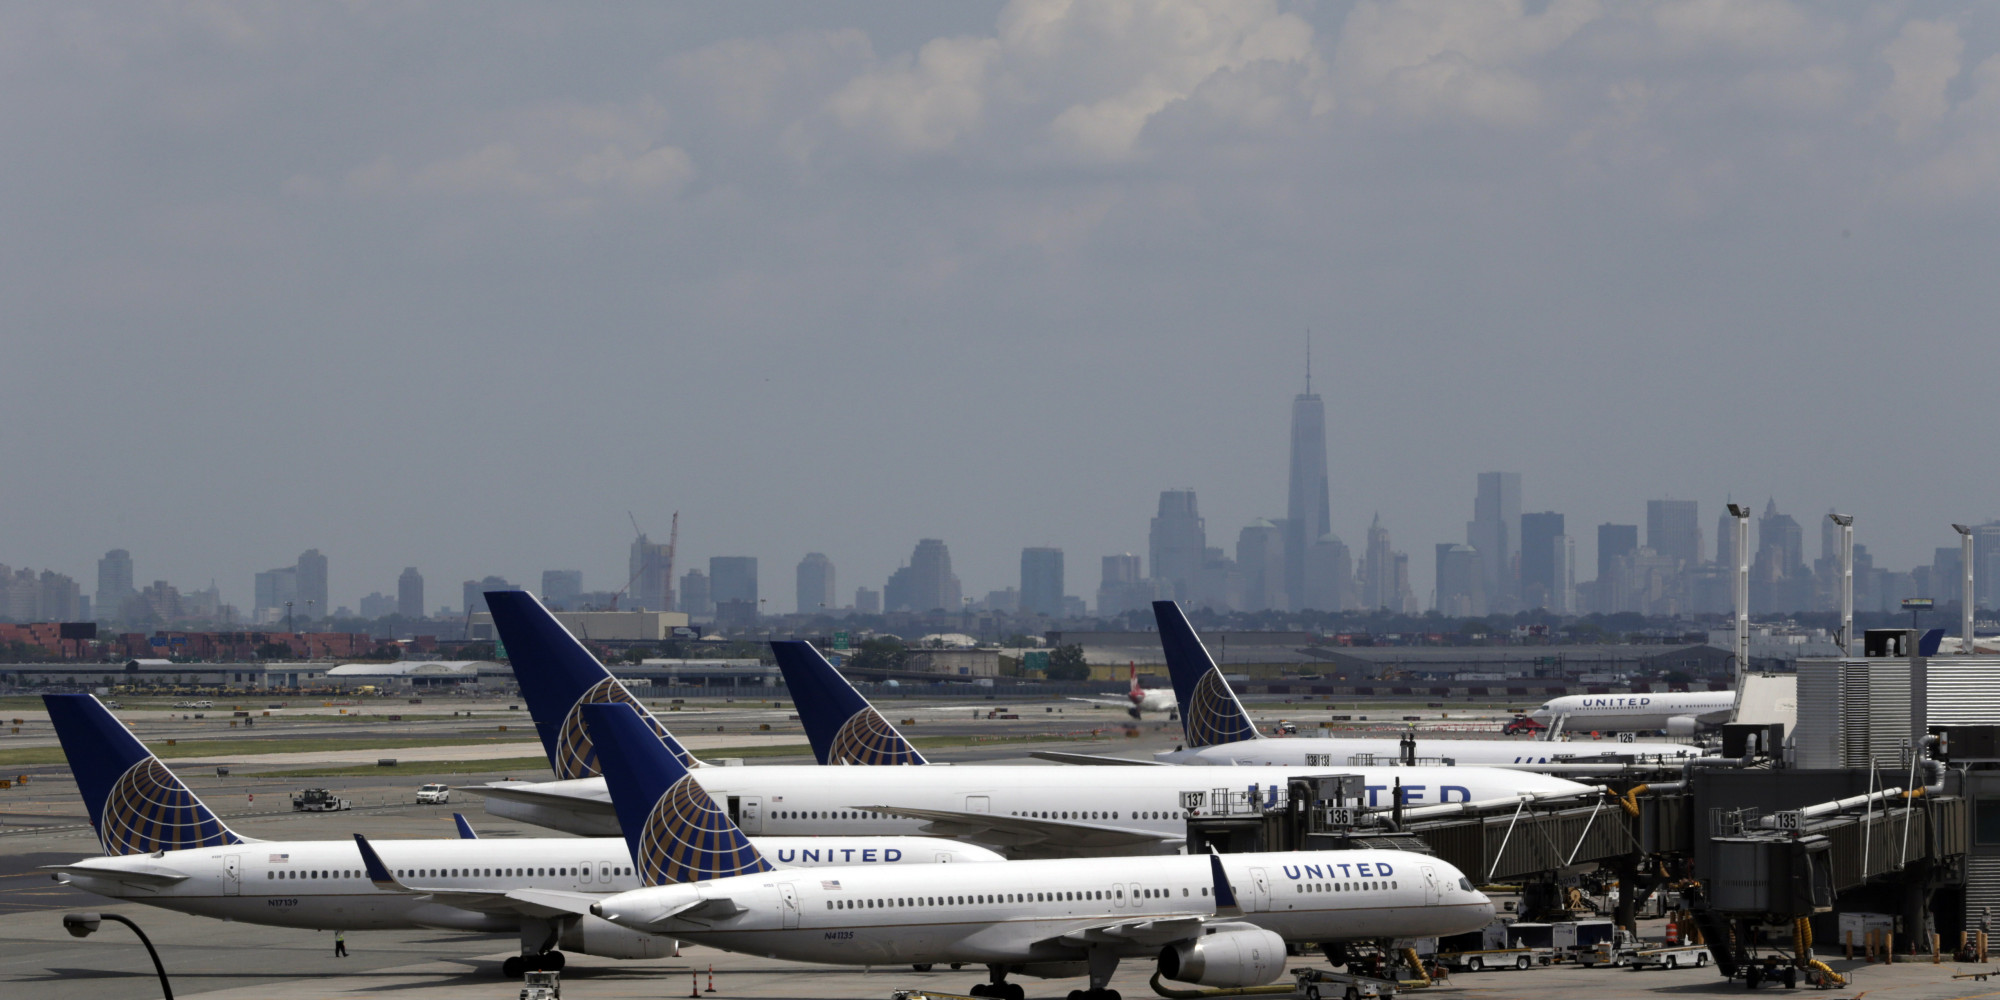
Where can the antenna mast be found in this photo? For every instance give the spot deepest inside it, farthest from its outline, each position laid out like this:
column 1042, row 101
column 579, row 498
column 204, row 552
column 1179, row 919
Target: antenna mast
column 1309, row 361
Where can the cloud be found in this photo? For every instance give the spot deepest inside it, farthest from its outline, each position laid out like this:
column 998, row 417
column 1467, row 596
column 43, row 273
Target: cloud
column 1924, row 60
column 1463, row 59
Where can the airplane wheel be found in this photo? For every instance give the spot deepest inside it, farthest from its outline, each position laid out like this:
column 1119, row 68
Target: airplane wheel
column 977, row 990
column 511, row 968
column 1077, row 995
column 1014, row 991
column 922, row 967
column 554, row 961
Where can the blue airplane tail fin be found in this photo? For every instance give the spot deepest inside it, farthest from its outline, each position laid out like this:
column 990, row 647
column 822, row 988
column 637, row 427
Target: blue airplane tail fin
column 557, row 675
column 135, row 803
column 1210, row 713
column 672, row 827
column 464, row 828
column 841, row 725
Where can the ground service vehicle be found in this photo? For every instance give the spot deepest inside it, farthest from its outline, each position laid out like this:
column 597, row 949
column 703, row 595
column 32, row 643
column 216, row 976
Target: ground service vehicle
column 434, row 794
column 1325, row 984
column 319, row 800
column 1673, row 957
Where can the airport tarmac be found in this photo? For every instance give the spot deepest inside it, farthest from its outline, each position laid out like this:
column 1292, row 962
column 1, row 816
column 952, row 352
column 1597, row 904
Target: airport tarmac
column 44, row 822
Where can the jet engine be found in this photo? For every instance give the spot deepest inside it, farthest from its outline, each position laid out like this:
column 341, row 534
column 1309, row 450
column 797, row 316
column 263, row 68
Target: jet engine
column 1228, row 955
column 600, row 937
column 1682, row 726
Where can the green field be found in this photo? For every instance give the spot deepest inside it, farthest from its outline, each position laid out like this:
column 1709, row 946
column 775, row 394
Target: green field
column 231, row 748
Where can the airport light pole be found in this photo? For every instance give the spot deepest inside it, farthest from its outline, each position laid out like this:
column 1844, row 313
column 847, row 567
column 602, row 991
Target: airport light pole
column 1964, row 589
column 1742, row 554
column 1846, row 580
column 84, row 924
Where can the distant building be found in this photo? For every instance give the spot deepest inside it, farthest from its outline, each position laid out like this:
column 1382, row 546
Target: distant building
column 562, row 589
column 1673, row 529
column 1219, row 585
column 312, row 584
column 1003, row 602
column 733, row 579
column 377, row 605
column 1461, row 581
column 1307, row 519
column 651, row 567
column 598, row 626
column 1613, row 542
column 475, row 592
column 926, row 584
column 1495, row 530
column 1178, row 544
column 1260, row 557
column 1779, row 579
column 277, row 593
column 48, row 596
column 816, row 593
column 410, row 594
column 1042, row 582
column 867, row 602
column 1540, row 552
column 1329, row 575
column 1123, row 587
column 114, row 584
column 694, row 597
column 1379, row 586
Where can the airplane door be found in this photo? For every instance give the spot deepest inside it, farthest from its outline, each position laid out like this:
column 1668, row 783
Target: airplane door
column 1433, row 892
column 1118, row 896
column 751, row 814
column 232, row 875
column 583, row 872
column 978, row 804
column 788, row 903
column 1134, row 890
column 1260, row 891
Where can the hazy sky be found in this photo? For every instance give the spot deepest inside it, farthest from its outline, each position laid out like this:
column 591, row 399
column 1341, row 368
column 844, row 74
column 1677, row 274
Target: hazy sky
column 457, row 285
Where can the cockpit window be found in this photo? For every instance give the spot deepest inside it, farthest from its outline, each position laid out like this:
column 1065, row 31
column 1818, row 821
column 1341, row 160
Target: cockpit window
column 1465, row 883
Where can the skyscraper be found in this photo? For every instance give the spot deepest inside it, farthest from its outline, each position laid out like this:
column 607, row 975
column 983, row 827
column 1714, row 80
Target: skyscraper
column 410, row 593
column 1461, row 581
column 473, row 592
column 815, row 585
column 1042, row 582
column 1121, row 588
column 1385, row 573
column 1307, row 519
column 1260, row 557
column 277, row 594
column 562, row 588
column 1673, row 529
column 312, row 584
column 932, row 586
column 1329, row 575
column 1540, row 552
column 651, row 568
column 1178, row 544
column 1613, row 541
column 732, row 586
column 694, row 593
column 1495, row 530
column 114, row 585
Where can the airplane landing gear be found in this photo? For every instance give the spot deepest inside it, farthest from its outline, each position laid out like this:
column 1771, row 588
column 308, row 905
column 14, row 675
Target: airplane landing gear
column 1103, row 962
column 998, row 988
column 549, row 961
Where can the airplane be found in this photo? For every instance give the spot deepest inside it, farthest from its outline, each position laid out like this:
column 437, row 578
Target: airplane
column 1139, row 699
column 1219, row 731
column 842, row 726
column 1679, row 713
column 167, row 848
column 1215, row 920
column 1020, row 811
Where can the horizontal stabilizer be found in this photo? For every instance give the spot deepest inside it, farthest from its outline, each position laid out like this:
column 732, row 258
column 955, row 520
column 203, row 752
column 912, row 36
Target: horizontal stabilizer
column 151, row 877
column 1027, row 835
column 1091, row 759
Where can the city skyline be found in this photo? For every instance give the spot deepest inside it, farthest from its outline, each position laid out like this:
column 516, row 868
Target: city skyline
column 825, row 278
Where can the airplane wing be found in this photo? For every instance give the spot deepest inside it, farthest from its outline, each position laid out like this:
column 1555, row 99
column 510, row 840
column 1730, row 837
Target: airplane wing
column 526, row 792
column 1085, row 758
column 1026, row 835
column 152, row 877
column 1113, row 702
column 1151, row 932
column 526, row 902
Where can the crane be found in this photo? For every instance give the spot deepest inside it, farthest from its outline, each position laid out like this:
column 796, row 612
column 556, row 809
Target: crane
column 673, row 536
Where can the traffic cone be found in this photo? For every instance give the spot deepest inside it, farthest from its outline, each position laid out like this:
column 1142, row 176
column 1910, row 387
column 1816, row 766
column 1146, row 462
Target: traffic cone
column 1673, row 932
column 694, row 983
column 711, row 978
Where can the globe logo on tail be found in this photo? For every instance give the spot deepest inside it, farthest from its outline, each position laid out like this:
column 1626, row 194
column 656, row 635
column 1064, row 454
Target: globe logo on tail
column 867, row 738
column 687, row 839
column 1213, row 715
column 576, row 755
column 149, row 810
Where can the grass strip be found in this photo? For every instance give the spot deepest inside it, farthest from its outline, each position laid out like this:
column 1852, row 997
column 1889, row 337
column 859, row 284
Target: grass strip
column 248, row 745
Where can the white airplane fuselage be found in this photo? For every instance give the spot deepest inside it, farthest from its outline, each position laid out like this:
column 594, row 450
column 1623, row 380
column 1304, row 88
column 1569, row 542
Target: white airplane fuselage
column 1326, row 751
column 320, row 884
column 784, row 799
column 1678, row 712
column 1043, row 912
